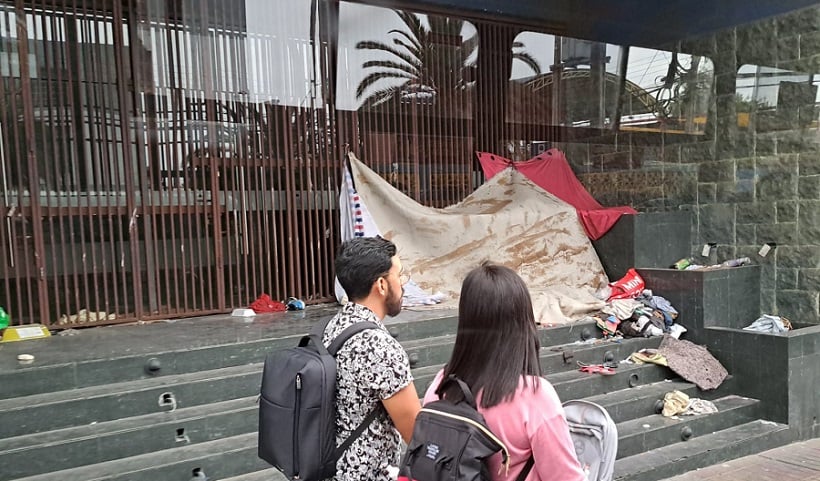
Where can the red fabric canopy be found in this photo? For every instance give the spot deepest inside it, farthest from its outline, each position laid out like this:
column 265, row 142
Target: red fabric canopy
column 552, row 172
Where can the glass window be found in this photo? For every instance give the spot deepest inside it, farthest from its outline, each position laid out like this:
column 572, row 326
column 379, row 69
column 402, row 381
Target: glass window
column 389, row 58
column 666, row 91
column 410, row 78
column 662, row 90
column 776, row 99
column 580, row 89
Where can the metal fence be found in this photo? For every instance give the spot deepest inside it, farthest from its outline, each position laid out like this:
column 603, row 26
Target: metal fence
column 166, row 159
column 172, row 158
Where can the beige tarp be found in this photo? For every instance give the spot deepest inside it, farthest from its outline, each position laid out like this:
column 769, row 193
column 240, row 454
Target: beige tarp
column 508, row 220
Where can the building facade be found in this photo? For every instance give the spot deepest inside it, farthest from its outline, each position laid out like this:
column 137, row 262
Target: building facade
column 167, row 159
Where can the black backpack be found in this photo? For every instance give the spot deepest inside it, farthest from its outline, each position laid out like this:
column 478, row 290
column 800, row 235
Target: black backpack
column 297, row 407
column 451, row 441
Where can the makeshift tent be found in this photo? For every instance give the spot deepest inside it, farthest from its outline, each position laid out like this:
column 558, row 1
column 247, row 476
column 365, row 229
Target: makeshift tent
column 356, row 221
column 552, row 172
column 508, row 220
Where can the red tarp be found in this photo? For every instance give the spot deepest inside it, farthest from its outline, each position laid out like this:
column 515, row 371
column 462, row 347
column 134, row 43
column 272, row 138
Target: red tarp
column 552, row 172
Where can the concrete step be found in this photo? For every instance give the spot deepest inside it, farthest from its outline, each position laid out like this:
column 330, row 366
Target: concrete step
column 433, row 350
column 580, row 385
column 98, row 403
column 62, row 409
column 437, row 349
column 654, row 431
column 219, row 459
column 427, row 341
column 422, row 328
column 671, row 460
column 568, row 333
column 118, row 369
column 118, row 430
column 562, row 357
column 553, row 360
column 209, row 457
column 56, row 370
column 575, row 384
column 83, row 445
column 640, row 401
column 271, row 474
column 187, row 346
column 564, row 334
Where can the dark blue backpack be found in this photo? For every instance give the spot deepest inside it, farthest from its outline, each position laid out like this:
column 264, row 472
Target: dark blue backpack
column 297, row 407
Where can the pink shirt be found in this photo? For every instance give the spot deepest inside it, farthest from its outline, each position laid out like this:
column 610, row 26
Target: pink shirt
column 532, row 423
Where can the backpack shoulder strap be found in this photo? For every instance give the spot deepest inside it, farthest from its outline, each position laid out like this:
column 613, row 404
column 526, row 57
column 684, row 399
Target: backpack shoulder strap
column 465, row 389
column 526, row 471
column 334, row 347
column 358, row 432
column 339, row 341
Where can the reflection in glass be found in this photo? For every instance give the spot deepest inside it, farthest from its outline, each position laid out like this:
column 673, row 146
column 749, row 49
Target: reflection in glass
column 776, row 99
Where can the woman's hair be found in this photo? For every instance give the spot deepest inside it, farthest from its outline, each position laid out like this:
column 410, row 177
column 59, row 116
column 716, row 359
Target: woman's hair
column 497, row 340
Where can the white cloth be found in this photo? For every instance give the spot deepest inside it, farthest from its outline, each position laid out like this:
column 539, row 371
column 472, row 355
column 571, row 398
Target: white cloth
column 355, row 219
column 508, row 220
column 767, row 323
column 699, row 406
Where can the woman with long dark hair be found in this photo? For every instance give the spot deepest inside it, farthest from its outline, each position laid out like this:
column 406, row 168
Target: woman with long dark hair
column 496, row 354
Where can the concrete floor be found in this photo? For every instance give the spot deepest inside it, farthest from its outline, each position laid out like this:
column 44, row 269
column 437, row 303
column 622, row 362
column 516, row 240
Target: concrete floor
column 794, row 462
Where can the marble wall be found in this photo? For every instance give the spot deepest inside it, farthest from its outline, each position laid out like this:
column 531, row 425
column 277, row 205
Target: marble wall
column 746, row 183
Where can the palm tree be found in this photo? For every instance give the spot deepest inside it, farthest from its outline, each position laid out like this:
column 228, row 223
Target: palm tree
column 431, row 62
column 529, row 60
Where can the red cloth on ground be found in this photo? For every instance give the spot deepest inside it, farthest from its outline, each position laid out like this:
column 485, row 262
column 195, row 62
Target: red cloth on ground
column 552, row 172
column 264, row 303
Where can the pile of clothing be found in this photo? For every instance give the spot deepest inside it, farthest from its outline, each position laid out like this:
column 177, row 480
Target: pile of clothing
column 264, row 304
column 631, row 310
column 646, row 315
column 678, row 403
column 770, row 324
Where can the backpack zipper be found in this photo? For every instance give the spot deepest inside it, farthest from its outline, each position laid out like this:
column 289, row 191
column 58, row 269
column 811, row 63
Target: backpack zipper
column 297, row 408
column 504, row 453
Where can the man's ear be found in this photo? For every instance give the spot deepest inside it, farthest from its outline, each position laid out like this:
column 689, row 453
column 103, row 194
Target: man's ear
column 378, row 287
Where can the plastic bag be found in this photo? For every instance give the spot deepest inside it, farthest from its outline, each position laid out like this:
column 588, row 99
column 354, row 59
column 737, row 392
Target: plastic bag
column 627, row 287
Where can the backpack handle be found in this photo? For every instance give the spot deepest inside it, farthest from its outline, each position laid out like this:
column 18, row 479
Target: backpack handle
column 465, row 389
